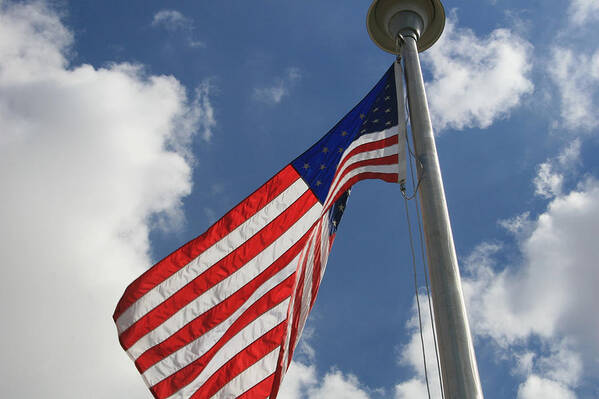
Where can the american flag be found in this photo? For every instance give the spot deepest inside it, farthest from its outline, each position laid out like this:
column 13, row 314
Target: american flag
column 222, row 315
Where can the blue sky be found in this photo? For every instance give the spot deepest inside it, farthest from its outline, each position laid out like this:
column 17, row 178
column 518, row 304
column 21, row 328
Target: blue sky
column 128, row 128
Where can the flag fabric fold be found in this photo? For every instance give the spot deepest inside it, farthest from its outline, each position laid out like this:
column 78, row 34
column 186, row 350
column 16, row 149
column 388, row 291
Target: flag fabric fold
column 222, row 315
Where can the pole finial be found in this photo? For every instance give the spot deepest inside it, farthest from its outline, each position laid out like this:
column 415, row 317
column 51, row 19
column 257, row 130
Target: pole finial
column 422, row 19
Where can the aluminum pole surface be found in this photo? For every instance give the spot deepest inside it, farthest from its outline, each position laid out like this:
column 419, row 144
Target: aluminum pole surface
column 456, row 352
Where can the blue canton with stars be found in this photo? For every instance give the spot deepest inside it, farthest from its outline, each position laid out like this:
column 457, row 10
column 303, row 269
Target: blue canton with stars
column 375, row 113
column 336, row 212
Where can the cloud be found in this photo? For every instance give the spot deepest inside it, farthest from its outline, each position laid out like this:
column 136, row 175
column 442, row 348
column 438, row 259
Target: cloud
column 550, row 296
column 547, row 183
column 411, row 356
column 175, row 21
column 298, row 379
column 518, row 225
column 275, row 93
column 577, row 79
column 336, row 385
column 171, row 20
column 537, row 312
column 202, row 116
column 476, row 80
column 90, row 159
column 301, row 382
column 414, row 388
column 551, row 173
column 560, row 257
column 582, row 11
column 536, row 387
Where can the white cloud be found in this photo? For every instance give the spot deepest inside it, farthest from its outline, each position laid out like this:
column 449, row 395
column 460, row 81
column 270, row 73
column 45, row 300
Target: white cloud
column 274, row 94
column 411, row 356
column 476, row 80
column 577, row 79
column 524, row 363
column 414, row 388
column 547, row 298
column 562, row 364
column 298, row 379
column 196, row 43
column 336, row 385
column 202, row 116
column 550, row 296
column 536, row 387
column 519, row 224
column 302, row 382
column 171, row 19
column 570, row 156
column 547, row 183
column 304, row 348
column 552, row 284
column 582, row 11
column 551, row 174
column 88, row 158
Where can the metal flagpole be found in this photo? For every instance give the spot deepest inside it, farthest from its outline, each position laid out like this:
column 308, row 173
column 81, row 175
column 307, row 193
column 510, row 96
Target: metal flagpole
column 405, row 27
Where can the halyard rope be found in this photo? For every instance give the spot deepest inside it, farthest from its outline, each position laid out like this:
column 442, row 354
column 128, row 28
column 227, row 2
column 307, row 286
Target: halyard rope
column 415, row 188
column 406, row 199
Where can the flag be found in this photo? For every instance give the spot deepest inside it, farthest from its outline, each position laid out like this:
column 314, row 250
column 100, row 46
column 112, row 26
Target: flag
column 222, row 315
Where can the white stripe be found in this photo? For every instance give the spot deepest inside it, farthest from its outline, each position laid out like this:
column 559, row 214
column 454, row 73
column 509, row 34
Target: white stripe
column 197, row 348
column 257, row 372
column 308, row 272
column 324, row 251
column 363, row 156
column 287, row 340
column 391, row 169
column 291, row 313
column 228, row 286
column 287, row 335
column 301, row 269
column 322, row 241
column 211, row 255
column 339, row 179
column 237, row 344
column 369, row 138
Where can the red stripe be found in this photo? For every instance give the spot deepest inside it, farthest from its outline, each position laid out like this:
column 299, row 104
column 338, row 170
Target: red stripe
column 297, row 311
column 182, row 256
column 386, row 160
column 260, row 390
column 219, row 271
column 388, row 177
column 187, row 374
column 331, row 240
column 317, row 266
column 216, row 315
column 393, row 178
column 250, row 355
column 370, row 146
column 297, row 300
column 279, row 372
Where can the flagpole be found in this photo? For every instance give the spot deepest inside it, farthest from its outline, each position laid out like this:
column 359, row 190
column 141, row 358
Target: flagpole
column 405, row 27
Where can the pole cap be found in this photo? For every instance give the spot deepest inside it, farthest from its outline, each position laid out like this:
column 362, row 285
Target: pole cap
column 384, row 33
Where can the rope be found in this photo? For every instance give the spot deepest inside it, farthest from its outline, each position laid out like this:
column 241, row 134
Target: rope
column 410, row 152
column 398, row 43
column 415, row 189
column 425, row 271
column 417, row 296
